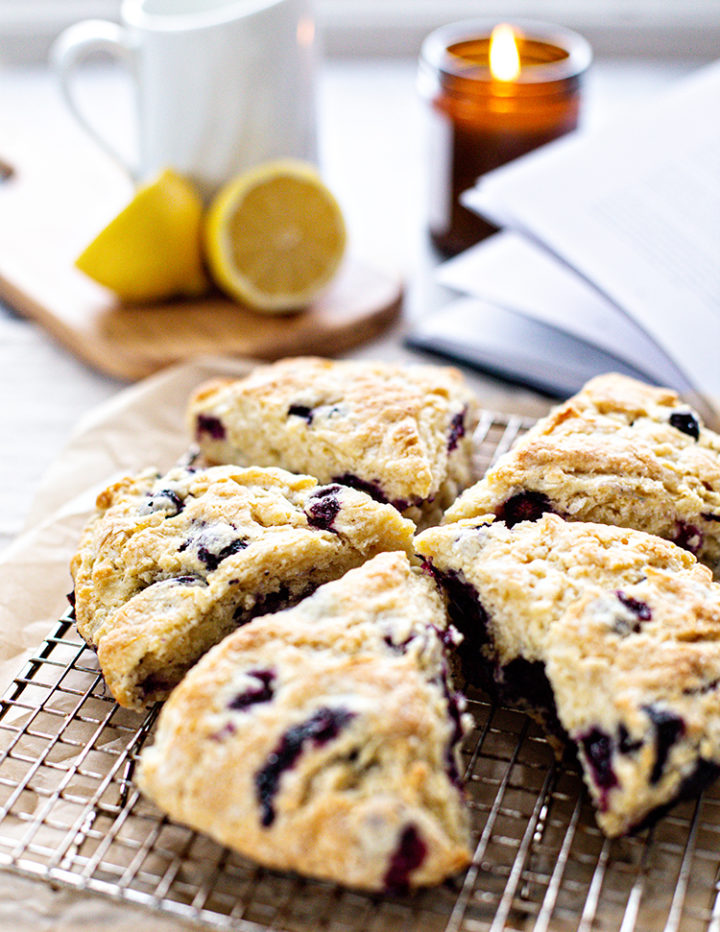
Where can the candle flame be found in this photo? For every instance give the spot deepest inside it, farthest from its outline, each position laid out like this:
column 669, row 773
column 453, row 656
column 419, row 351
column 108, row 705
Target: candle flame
column 504, row 54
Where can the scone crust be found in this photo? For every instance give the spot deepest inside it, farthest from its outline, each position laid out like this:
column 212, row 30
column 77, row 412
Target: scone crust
column 171, row 564
column 648, row 686
column 402, row 433
column 619, row 452
column 366, row 649
column 626, row 627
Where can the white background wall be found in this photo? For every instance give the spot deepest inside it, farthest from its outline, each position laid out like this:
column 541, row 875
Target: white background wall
column 667, row 28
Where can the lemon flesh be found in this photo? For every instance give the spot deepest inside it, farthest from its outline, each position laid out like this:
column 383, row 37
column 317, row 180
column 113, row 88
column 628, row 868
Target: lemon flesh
column 152, row 250
column 275, row 236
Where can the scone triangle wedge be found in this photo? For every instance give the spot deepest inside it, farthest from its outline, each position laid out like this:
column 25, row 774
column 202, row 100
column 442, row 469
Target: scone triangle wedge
column 610, row 636
column 172, row 563
column 401, row 433
column 324, row 739
column 618, row 452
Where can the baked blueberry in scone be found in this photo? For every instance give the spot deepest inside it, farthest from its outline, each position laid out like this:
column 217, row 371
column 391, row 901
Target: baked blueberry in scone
column 324, row 739
column 171, row 564
column 619, row 452
column 401, row 434
column 611, row 636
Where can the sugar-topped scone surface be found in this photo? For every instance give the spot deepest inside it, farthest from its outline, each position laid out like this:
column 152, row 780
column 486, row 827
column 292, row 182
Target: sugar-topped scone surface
column 619, row 452
column 324, row 739
column 401, row 433
column 613, row 633
column 172, row 563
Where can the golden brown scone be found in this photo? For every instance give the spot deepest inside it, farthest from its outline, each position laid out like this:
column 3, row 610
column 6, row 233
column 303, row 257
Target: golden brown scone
column 324, row 739
column 612, row 633
column 171, row 564
column 619, row 452
column 402, row 434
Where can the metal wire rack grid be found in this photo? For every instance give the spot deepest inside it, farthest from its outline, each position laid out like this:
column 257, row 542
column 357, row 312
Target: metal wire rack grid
column 70, row 814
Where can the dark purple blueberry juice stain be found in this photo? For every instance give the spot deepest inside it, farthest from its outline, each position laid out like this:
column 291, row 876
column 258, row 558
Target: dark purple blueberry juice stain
column 369, row 487
column 210, row 425
column 166, row 500
column 625, row 743
column 464, row 602
column 708, row 516
column 156, row 682
column 262, row 692
column 688, row 536
column 407, row 857
column 467, row 615
column 227, row 731
column 212, row 559
column 668, row 728
column 398, row 647
column 268, row 603
column 454, row 707
column 686, row 423
column 373, row 488
column 525, row 682
column 704, row 773
column 321, row 727
column 323, row 508
column 302, row 411
column 265, row 604
column 641, row 611
column 189, row 579
column 702, row 688
column 448, row 636
column 598, row 749
column 524, row 506
column 457, row 430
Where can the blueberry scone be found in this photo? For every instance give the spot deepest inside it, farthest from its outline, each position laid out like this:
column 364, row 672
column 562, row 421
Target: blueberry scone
column 613, row 635
column 172, row 563
column 324, row 739
column 402, row 434
column 619, row 452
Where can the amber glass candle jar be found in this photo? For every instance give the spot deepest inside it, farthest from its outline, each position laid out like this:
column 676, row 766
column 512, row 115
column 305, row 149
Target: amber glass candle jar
column 479, row 120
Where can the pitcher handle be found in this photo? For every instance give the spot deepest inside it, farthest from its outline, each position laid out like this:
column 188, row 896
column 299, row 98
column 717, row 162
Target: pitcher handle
column 70, row 49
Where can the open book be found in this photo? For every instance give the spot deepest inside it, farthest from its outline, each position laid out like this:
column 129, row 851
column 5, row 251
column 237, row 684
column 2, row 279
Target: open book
column 610, row 258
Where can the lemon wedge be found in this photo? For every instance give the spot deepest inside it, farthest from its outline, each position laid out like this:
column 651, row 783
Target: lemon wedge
column 152, row 250
column 274, row 236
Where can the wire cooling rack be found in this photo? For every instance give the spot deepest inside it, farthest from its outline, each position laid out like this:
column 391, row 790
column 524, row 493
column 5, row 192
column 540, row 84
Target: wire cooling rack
column 70, row 814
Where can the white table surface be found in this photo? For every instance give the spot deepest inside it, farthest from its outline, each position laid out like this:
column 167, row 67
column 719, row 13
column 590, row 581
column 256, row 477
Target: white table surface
column 372, row 156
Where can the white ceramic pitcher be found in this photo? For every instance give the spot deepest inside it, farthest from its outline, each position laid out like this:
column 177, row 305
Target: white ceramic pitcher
column 219, row 84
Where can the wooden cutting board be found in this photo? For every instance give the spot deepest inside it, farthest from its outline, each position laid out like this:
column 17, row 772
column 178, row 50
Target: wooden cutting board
column 51, row 207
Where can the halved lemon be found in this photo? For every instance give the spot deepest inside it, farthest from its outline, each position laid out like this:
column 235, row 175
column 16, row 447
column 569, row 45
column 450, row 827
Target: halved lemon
column 152, row 250
column 275, row 236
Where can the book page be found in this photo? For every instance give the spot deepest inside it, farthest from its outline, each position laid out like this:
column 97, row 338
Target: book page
column 513, row 346
column 513, row 272
column 635, row 208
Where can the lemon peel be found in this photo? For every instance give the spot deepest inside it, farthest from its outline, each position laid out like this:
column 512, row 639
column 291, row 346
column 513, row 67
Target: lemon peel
column 274, row 236
column 152, row 250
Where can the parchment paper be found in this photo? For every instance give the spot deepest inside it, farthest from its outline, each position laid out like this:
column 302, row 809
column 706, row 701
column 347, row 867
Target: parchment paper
column 139, row 427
